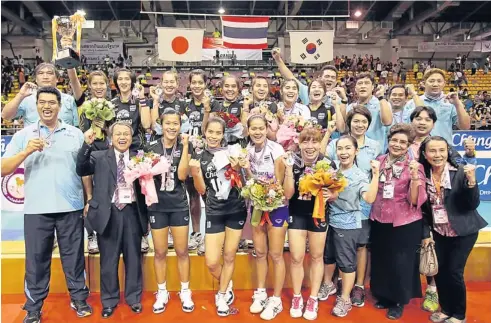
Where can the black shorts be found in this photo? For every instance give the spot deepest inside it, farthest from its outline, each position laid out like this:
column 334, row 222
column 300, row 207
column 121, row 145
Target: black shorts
column 161, row 220
column 217, row 223
column 305, row 222
column 364, row 236
column 341, row 245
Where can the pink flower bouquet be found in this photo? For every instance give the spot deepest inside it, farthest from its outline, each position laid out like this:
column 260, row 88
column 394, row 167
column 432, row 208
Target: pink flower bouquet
column 144, row 166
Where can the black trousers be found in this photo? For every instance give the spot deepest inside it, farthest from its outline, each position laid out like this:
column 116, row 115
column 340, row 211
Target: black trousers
column 123, row 234
column 452, row 254
column 39, row 233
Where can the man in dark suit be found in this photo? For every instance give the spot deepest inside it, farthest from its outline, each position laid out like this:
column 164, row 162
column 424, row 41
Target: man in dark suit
column 117, row 212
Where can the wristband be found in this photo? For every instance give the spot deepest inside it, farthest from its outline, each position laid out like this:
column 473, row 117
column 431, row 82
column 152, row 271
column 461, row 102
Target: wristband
column 380, row 98
column 344, row 101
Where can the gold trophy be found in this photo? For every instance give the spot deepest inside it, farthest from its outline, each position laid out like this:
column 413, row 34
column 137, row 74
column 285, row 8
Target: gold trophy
column 66, row 26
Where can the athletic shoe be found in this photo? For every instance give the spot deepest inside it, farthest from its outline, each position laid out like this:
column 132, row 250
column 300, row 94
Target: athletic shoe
column 430, row 303
column 201, row 248
column 170, row 241
column 92, row 246
column 297, row 307
column 229, row 294
column 326, row 290
column 81, row 307
column 222, row 307
column 311, row 309
column 161, row 301
column 341, row 308
column 145, row 247
column 258, row 302
column 274, row 306
column 32, row 317
column 195, row 239
column 186, row 300
column 358, row 296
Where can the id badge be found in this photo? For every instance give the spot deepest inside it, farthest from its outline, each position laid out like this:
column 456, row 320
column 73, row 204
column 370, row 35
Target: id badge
column 439, row 214
column 124, row 194
column 388, row 190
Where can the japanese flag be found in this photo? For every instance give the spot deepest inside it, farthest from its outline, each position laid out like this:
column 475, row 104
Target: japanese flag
column 311, row 47
column 180, row 45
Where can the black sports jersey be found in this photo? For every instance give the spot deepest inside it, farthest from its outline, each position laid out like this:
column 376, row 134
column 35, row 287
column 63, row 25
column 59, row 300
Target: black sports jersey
column 234, row 108
column 177, row 104
column 171, row 193
column 195, row 114
column 84, row 124
column 130, row 112
column 213, row 206
column 302, row 207
column 323, row 115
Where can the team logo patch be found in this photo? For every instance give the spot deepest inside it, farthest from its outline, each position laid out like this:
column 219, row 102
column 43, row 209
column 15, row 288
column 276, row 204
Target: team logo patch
column 186, row 218
column 278, row 221
column 13, row 186
column 133, row 107
column 241, row 222
column 177, row 154
column 321, row 116
column 234, row 110
column 323, row 224
column 123, row 114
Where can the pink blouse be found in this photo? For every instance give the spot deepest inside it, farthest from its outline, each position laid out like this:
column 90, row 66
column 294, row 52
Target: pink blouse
column 398, row 210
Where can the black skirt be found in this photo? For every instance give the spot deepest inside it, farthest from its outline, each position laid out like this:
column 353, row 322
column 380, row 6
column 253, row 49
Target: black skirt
column 395, row 262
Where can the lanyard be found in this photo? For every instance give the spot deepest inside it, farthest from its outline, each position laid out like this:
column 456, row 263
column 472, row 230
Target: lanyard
column 171, row 154
column 438, row 188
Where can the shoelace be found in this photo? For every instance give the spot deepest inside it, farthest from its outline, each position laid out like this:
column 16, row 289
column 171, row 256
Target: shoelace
column 310, row 305
column 358, row 293
column 340, row 304
column 296, row 302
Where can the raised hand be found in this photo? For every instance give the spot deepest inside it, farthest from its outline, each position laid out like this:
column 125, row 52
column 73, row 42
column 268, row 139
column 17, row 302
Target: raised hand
column 89, row 136
column 470, row 173
column 27, row 89
column 33, row 145
column 375, row 167
column 331, row 127
column 413, row 169
column 184, row 138
column 195, row 167
column 380, row 91
column 469, row 146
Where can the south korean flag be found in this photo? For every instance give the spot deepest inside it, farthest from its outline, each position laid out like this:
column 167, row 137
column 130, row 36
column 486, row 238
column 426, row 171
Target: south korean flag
column 311, row 47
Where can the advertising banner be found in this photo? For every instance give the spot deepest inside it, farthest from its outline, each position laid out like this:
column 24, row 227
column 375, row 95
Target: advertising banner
column 96, row 51
column 12, row 185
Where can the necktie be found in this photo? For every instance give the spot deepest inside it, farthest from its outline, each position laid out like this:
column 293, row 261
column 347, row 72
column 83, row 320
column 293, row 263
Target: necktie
column 121, row 181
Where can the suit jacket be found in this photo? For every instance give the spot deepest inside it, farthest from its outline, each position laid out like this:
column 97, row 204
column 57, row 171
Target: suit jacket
column 103, row 166
column 461, row 203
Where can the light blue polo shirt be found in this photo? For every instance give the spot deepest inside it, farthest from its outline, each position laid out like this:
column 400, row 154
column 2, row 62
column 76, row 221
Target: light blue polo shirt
column 346, row 211
column 68, row 112
column 51, row 184
column 446, row 114
column 370, row 151
column 376, row 131
column 303, row 93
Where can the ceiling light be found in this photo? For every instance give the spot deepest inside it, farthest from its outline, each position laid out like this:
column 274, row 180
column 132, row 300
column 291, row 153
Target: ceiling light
column 357, row 13
column 437, row 36
column 221, row 11
column 467, row 36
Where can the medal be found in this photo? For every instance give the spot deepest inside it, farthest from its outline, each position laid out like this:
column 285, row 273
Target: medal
column 136, row 91
column 159, row 91
column 169, row 184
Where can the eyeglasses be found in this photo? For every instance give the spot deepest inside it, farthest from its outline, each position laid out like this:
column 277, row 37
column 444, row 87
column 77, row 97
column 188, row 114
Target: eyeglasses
column 51, row 104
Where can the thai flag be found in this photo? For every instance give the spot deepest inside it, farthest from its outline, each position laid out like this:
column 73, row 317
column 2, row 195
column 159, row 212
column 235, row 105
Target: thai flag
column 245, row 32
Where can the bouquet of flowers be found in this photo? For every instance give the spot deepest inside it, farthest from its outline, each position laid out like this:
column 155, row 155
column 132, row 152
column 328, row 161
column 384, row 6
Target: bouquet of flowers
column 265, row 194
column 288, row 132
column 99, row 111
column 235, row 129
column 144, row 166
column 198, row 143
column 314, row 180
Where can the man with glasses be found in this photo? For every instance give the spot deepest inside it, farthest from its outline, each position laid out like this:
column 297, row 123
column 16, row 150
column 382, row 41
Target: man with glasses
column 53, row 202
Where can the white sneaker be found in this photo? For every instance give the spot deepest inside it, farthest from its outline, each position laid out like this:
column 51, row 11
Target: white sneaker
column 170, row 240
column 258, row 302
column 161, row 301
column 195, row 239
column 92, row 246
column 297, row 307
column 229, row 294
column 201, row 248
column 55, row 243
column 274, row 306
column 186, row 300
column 311, row 309
column 145, row 246
column 221, row 304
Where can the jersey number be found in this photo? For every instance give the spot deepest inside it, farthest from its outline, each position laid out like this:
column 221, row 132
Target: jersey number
column 216, row 184
column 194, row 131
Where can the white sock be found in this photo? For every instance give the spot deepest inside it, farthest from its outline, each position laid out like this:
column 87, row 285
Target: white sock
column 361, row 286
column 299, row 295
column 431, row 288
column 162, row 286
column 261, row 290
column 313, row 297
column 184, row 286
